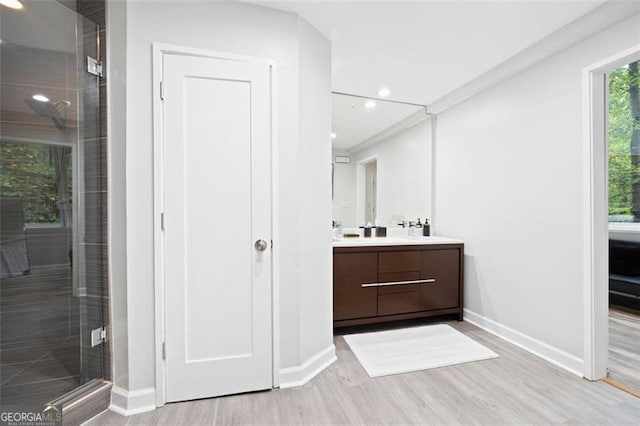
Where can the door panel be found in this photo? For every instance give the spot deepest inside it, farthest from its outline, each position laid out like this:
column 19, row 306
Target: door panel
column 217, row 201
column 350, row 299
column 441, row 266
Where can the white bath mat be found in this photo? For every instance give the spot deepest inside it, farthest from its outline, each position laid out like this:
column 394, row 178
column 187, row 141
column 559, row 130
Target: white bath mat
column 417, row 348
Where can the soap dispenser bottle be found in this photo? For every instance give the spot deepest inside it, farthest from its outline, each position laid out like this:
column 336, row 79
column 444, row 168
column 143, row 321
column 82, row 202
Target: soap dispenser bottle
column 426, row 228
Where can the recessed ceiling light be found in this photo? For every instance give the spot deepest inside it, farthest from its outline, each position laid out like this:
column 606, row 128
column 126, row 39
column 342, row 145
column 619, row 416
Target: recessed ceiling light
column 370, row 104
column 333, row 135
column 12, row 4
column 40, row 98
column 383, row 92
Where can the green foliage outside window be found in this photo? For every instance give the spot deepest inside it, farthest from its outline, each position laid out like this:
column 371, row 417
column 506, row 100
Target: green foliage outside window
column 624, row 144
column 28, row 171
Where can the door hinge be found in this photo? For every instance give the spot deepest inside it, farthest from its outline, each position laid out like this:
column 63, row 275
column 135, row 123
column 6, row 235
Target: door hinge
column 162, row 221
column 98, row 336
column 94, row 66
column 164, row 350
column 162, row 90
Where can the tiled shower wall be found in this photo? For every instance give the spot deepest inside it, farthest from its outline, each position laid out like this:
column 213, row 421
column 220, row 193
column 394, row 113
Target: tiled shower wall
column 94, row 307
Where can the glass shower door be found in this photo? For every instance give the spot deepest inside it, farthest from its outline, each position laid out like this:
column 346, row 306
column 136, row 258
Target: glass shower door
column 52, row 190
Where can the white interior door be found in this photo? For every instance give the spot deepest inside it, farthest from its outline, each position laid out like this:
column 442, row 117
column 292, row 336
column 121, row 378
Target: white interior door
column 217, row 220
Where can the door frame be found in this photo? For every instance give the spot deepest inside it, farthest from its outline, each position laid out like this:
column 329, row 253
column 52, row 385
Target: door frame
column 159, row 50
column 595, row 209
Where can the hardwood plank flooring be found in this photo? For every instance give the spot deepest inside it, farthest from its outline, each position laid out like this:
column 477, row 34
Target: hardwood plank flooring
column 518, row 387
column 624, row 347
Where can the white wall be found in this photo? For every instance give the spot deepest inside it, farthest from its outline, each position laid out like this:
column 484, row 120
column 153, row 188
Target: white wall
column 117, row 117
column 313, row 195
column 404, row 179
column 509, row 181
column 302, row 182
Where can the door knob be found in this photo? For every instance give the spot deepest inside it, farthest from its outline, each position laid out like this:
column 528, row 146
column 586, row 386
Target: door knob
column 261, row 245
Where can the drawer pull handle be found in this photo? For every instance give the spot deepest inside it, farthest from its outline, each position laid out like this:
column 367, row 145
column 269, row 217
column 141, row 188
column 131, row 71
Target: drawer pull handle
column 369, row 285
column 427, row 281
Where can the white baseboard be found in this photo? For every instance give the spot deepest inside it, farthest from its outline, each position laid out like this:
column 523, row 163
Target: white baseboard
column 547, row 352
column 298, row 376
column 129, row 403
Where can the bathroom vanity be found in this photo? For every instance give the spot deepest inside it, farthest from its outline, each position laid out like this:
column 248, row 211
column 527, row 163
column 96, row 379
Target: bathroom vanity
column 386, row 279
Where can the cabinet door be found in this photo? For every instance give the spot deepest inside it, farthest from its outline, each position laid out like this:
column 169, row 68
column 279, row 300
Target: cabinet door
column 350, row 299
column 443, row 267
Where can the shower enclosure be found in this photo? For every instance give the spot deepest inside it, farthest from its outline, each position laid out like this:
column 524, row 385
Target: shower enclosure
column 53, row 299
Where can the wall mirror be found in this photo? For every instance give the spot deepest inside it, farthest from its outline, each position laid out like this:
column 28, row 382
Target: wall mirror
column 382, row 161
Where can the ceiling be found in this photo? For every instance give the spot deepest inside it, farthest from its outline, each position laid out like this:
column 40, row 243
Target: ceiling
column 354, row 124
column 41, row 24
column 422, row 50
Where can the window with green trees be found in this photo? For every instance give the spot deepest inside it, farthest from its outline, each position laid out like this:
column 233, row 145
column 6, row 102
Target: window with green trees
column 624, row 144
column 40, row 175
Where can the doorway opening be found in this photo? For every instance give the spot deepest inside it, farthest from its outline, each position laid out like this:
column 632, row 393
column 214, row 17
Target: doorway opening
column 623, row 140
column 596, row 226
column 370, row 184
column 367, row 194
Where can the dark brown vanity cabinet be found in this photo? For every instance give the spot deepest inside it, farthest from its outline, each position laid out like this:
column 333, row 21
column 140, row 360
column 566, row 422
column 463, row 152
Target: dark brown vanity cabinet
column 384, row 283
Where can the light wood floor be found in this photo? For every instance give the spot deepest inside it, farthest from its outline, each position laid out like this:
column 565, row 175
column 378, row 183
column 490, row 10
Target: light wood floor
column 516, row 388
column 624, row 347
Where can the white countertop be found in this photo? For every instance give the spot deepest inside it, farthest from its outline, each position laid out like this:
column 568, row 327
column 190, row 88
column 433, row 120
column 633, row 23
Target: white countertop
column 393, row 241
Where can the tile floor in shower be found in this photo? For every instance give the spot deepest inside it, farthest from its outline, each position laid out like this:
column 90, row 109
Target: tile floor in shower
column 40, row 340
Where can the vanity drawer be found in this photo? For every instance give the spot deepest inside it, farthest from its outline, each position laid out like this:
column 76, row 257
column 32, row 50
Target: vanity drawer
column 398, row 303
column 398, row 293
column 402, row 261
